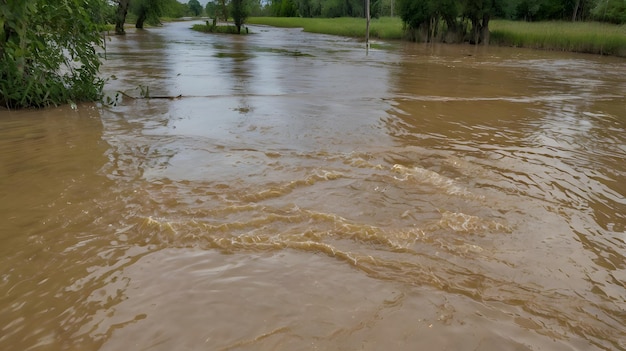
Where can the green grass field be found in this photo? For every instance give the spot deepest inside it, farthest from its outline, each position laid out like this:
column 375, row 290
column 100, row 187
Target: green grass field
column 587, row 37
column 380, row 28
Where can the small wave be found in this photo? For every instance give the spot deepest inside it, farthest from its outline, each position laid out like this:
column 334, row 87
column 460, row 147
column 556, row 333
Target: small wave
column 465, row 223
column 270, row 231
column 286, row 188
column 423, row 175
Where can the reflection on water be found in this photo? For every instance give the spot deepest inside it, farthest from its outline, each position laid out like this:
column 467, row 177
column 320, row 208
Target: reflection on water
column 301, row 194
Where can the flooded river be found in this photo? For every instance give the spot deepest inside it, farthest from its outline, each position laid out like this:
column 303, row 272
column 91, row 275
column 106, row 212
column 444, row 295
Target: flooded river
column 300, row 193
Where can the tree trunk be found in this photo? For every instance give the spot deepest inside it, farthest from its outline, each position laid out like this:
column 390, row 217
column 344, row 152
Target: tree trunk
column 120, row 17
column 484, row 30
column 140, row 20
column 476, row 29
column 575, row 14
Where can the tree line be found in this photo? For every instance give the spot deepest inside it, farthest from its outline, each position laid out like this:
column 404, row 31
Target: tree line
column 146, row 11
column 456, row 20
column 527, row 10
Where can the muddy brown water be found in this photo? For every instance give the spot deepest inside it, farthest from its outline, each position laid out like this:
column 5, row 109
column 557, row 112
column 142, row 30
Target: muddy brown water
column 303, row 194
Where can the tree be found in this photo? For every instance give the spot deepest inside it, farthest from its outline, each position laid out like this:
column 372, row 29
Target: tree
column 479, row 13
column 223, row 9
column 309, row 8
column 120, row 15
column 423, row 19
column 174, row 9
column 147, row 10
column 195, row 7
column 239, row 12
column 47, row 54
column 416, row 15
column 610, row 11
column 211, row 9
column 287, row 8
column 100, row 11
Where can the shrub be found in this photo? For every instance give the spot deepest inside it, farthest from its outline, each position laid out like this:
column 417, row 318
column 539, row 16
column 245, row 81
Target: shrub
column 47, row 54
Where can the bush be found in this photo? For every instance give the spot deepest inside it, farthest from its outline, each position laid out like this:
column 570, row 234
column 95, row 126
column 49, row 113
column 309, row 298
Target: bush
column 47, row 54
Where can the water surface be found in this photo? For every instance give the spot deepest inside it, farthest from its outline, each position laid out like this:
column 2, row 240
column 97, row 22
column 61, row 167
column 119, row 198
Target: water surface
column 296, row 192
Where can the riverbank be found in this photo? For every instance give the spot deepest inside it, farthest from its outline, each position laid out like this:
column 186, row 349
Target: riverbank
column 586, row 37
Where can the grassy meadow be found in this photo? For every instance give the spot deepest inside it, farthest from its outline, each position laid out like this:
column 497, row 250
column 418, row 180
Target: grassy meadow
column 382, row 28
column 586, row 37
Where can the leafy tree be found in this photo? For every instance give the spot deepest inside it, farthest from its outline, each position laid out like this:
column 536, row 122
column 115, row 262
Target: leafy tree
column 222, row 6
column 287, row 8
column 480, row 12
column 100, row 11
column 544, row 10
column 211, row 9
column 147, row 10
column 423, row 18
column 527, row 10
column 174, row 9
column 415, row 13
column 239, row 11
column 195, row 7
column 256, row 8
column 309, row 8
column 120, row 15
column 47, row 54
column 610, row 11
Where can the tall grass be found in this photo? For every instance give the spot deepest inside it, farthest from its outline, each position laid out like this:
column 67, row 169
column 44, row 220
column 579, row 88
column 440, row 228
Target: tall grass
column 586, row 37
column 382, row 28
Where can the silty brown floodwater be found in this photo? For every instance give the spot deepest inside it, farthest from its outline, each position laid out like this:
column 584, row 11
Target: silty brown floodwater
column 304, row 194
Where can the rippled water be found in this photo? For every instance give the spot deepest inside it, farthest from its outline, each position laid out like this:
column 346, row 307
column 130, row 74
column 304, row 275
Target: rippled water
column 296, row 192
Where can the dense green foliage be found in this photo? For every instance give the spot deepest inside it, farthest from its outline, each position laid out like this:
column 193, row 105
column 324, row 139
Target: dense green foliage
column 541, row 10
column 427, row 18
column 422, row 11
column 175, row 9
column 223, row 9
column 239, row 12
column 610, row 11
column 468, row 20
column 317, row 8
column 151, row 11
column 449, row 20
column 148, row 11
column 47, row 52
column 195, row 7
